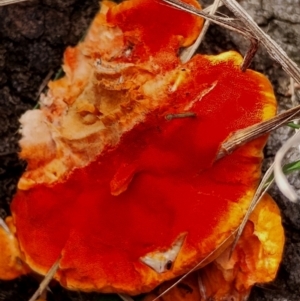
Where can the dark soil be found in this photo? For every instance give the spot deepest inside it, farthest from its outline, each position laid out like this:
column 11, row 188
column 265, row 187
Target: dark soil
column 33, row 36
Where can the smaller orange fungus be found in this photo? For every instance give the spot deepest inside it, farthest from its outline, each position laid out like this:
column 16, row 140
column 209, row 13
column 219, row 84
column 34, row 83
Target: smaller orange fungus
column 11, row 263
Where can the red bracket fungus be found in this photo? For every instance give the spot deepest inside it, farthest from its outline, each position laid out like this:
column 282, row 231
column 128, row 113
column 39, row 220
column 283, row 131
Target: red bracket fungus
column 122, row 184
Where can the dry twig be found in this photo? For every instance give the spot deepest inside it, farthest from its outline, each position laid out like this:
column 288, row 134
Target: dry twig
column 4, row 226
column 263, row 187
column 243, row 136
column 188, row 52
column 8, row 2
column 47, row 279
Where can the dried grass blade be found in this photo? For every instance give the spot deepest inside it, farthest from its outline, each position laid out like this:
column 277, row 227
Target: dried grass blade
column 251, row 31
column 125, row 297
column 275, row 51
column 48, row 277
column 201, row 286
column 264, row 185
column 188, row 52
column 44, row 83
column 211, row 7
column 243, row 136
column 227, row 22
column 8, row 2
column 4, row 226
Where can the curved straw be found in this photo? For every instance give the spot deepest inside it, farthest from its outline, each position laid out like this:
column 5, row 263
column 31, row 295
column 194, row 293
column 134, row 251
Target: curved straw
column 240, row 137
column 188, row 52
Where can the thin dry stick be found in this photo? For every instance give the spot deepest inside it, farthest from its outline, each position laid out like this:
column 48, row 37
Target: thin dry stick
column 274, row 50
column 251, row 31
column 188, row 52
column 243, row 136
column 211, row 7
column 44, row 284
column 293, row 92
column 4, row 226
column 125, row 297
column 259, row 193
column 44, row 83
column 201, row 286
column 294, row 99
column 278, row 174
column 7, row 2
column 228, row 23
